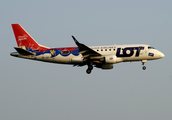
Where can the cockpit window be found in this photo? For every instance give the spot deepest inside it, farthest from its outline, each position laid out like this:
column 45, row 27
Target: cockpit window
column 149, row 47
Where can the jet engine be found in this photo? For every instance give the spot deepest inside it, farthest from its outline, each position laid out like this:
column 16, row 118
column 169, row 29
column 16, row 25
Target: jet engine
column 104, row 66
column 111, row 59
column 107, row 66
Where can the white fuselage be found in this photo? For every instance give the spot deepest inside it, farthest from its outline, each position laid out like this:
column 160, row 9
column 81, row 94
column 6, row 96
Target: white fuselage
column 96, row 56
column 123, row 53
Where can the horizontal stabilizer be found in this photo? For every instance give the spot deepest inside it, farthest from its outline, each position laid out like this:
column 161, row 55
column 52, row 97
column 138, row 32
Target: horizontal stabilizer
column 23, row 51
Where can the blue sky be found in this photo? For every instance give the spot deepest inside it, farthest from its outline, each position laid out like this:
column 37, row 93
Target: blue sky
column 40, row 91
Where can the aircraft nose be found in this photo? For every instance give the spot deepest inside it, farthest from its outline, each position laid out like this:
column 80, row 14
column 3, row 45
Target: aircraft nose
column 161, row 55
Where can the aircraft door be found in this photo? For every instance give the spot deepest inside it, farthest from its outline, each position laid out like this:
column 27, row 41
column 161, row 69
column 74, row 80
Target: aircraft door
column 142, row 50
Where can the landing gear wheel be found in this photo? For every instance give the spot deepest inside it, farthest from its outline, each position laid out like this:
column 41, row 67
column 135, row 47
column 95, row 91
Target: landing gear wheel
column 90, row 68
column 143, row 63
column 88, row 71
column 144, row 67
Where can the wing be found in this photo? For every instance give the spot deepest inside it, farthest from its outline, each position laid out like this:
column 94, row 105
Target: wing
column 86, row 52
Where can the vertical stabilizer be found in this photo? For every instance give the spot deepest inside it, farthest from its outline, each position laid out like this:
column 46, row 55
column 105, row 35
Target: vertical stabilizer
column 24, row 39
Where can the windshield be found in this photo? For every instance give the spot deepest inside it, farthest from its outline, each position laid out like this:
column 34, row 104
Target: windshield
column 150, row 47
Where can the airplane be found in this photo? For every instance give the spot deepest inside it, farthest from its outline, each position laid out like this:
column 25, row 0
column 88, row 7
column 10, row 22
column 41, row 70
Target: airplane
column 95, row 56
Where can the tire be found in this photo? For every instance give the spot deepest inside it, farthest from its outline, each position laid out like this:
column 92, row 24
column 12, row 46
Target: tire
column 144, row 68
column 88, row 71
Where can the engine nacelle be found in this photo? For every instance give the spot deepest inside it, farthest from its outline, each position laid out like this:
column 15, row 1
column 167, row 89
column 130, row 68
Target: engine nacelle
column 111, row 59
column 104, row 66
column 107, row 66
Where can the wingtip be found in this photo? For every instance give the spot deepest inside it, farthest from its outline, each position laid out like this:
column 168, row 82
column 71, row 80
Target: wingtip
column 74, row 39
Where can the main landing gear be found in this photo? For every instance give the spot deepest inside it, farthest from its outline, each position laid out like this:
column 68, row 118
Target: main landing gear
column 143, row 63
column 90, row 67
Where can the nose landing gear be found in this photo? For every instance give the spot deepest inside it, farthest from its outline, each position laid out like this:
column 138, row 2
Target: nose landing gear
column 144, row 67
column 143, row 63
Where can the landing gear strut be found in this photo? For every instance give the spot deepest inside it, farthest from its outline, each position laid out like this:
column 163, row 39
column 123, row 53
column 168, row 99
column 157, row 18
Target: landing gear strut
column 90, row 67
column 143, row 63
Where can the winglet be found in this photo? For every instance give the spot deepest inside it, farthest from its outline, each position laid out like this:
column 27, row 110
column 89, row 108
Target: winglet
column 75, row 39
column 85, row 50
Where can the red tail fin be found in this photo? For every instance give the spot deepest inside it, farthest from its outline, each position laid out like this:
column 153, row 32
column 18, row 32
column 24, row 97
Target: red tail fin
column 24, row 39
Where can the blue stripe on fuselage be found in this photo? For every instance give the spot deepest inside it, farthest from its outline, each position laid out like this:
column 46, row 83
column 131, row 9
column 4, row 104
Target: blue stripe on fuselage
column 56, row 52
